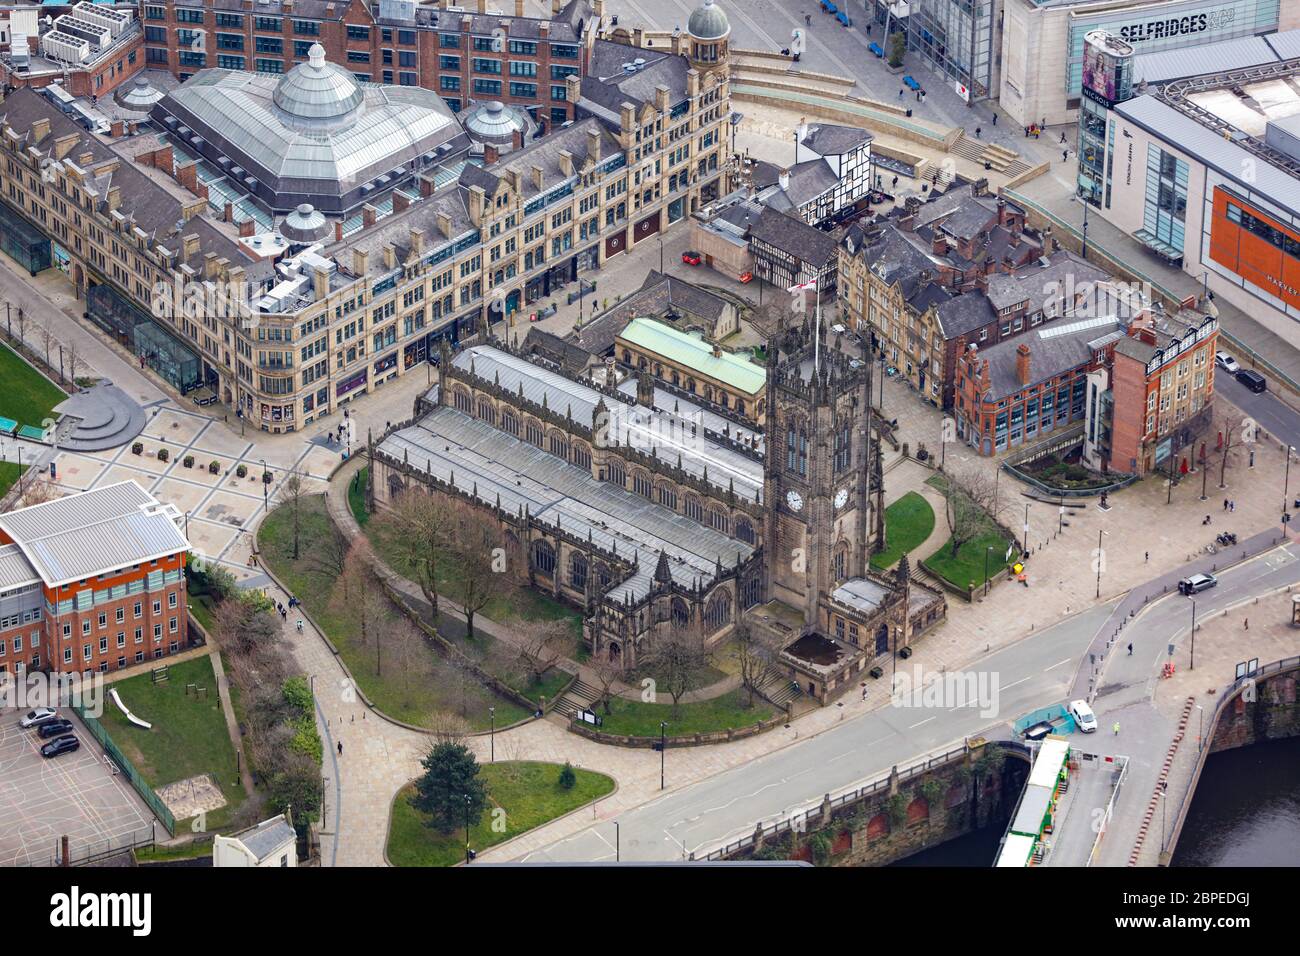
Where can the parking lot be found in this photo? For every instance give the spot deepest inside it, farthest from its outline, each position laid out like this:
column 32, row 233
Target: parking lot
column 78, row 795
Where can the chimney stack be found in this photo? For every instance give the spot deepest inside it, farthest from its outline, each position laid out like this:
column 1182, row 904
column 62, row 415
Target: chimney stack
column 490, row 154
column 360, row 260
column 1022, row 364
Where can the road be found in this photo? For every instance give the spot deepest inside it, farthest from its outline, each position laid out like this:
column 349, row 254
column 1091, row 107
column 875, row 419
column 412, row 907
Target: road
column 1033, row 673
column 1269, row 412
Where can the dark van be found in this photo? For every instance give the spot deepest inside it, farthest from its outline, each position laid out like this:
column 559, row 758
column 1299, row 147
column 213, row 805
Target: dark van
column 1252, row 380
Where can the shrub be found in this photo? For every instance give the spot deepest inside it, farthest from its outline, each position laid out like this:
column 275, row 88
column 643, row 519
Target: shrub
column 163, row 454
column 241, row 471
column 137, row 448
column 214, row 467
column 188, row 461
column 266, row 477
column 897, row 49
column 568, row 779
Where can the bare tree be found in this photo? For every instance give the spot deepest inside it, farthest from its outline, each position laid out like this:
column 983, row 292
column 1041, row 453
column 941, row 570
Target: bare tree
column 406, row 652
column 418, row 523
column 292, row 490
column 678, row 657
column 542, row 645
column 480, row 558
column 969, row 505
column 47, row 339
column 607, row 672
column 38, row 491
column 755, row 650
column 448, row 728
column 375, row 614
column 331, row 550
column 1233, row 427
column 22, row 328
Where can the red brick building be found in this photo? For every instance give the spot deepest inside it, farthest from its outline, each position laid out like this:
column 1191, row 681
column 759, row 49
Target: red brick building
column 1154, row 398
column 465, row 54
column 91, row 582
column 102, row 47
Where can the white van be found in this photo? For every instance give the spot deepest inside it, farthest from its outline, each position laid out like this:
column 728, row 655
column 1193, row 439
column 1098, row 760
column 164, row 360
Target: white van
column 1083, row 716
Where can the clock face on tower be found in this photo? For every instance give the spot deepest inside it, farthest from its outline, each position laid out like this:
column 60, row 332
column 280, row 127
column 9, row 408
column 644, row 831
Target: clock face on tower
column 841, row 497
column 794, row 500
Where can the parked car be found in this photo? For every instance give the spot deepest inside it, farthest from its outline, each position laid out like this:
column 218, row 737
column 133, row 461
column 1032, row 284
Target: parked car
column 746, row 277
column 38, row 716
column 1197, row 583
column 60, row 745
column 1226, row 362
column 1252, row 380
column 1083, row 716
column 692, row 258
column 53, row 728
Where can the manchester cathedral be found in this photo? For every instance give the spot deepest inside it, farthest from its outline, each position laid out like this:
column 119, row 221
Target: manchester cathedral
column 650, row 511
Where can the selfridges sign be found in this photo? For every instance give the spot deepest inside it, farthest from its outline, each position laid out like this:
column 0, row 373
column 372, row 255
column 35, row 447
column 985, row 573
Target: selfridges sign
column 1164, row 28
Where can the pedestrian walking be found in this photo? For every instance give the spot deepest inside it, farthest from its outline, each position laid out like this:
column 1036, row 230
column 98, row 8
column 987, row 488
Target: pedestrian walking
column 807, row 21
column 978, row 130
column 1246, row 624
column 1130, row 649
column 900, row 92
column 1116, row 731
column 299, row 625
column 1062, row 136
column 995, row 119
column 1065, row 154
column 1147, row 556
column 1225, row 504
column 341, row 745
column 1232, row 505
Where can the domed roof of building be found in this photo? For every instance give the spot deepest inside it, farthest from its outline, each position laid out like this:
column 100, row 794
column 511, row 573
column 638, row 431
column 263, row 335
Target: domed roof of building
column 494, row 122
column 708, row 22
column 139, row 96
column 305, row 225
column 317, row 93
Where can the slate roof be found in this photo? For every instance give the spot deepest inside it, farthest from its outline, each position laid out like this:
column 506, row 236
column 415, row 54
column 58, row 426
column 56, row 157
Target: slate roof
column 1034, row 283
column 962, row 314
column 830, row 139
column 1051, row 354
column 267, row 837
column 793, row 236
column 151, row 206
column 544, row 152
column 569, row 356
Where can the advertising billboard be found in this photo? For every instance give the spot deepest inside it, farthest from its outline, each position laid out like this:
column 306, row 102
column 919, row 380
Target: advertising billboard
column 1107, row 68
column 1170, row 25
column 1256, row 246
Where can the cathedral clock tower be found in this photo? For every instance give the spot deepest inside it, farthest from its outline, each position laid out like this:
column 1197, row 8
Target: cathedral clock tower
column 818, row 471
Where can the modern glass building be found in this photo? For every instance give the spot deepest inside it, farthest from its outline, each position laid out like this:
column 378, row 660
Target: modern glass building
column 1107, row 80
column 23, row 242
column 955, row 37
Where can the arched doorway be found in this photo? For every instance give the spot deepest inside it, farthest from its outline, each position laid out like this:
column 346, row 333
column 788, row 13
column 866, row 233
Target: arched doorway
column 615, row 652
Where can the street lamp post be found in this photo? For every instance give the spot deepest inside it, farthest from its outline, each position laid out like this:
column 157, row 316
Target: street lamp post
column 187, row 526
column 616, row 842
column 467, row 851
column 1200, row 727
column 1205, row 471
column 661, row 254
column 492, row 735
column 266, row 502
column 1026, row 547
column 1286, row 484
column 1193, row 661
column 987, row 549
column 663, row 747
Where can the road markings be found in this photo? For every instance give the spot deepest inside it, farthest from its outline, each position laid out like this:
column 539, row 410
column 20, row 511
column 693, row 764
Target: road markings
column 926, row 721
column 1058, row 664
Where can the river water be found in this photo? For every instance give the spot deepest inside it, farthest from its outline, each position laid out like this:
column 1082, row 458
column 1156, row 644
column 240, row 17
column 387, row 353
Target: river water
column 1246, row 811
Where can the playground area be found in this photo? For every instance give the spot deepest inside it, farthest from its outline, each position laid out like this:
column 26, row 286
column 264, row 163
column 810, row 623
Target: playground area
column 79, row 795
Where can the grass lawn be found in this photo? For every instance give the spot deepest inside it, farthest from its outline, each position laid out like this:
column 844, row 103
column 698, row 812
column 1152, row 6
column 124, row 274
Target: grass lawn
column 908, row 522
column 517, row 602
column 967, row 568
column 166, row 854
column 27, row 397
column 188, row 737
column 357, row 497
column 410, row 689
column 201, row 609
column 9, row 473
column 635, row 719
column 527, row 790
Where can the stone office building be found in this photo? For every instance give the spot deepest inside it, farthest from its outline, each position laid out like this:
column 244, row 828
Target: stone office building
column 447, row 253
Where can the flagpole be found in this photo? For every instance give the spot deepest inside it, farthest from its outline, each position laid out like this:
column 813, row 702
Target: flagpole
column 817, row 330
